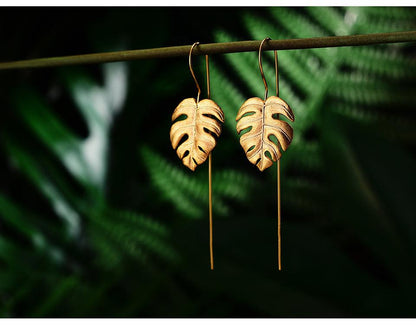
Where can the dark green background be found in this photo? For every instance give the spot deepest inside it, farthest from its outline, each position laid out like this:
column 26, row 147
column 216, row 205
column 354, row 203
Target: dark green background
column 98, row 217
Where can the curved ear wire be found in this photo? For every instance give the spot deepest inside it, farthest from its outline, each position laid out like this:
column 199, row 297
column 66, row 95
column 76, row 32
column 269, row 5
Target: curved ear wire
column 192, row 71
column 261, row 68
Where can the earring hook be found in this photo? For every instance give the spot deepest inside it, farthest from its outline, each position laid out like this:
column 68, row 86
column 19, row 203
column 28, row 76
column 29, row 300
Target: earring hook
column 266, row 88
column 192, row 71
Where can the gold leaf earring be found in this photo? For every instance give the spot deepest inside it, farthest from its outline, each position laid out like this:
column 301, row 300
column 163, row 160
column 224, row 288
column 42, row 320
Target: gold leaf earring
column 193, row 137
column 265, row 132
column 203, row 120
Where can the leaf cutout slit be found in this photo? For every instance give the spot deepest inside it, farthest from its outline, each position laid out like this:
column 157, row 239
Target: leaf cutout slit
column 268, row 154
column 246, row 130
column 288, row 111
column 284, row 118
column 211, row 116
column 209, row 132
column 183, row 139
column 180, row 118
column 273, row 139
column 249, row 114
column 251, row 148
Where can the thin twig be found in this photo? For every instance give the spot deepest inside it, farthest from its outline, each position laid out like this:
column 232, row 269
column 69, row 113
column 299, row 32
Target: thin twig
column 214, row 48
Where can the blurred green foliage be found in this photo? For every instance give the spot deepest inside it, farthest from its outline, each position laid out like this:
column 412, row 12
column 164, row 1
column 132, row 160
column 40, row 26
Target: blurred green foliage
column 98, row 217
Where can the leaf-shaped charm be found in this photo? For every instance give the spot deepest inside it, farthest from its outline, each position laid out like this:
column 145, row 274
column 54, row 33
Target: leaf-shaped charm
column 262, row 117
column 202, row 121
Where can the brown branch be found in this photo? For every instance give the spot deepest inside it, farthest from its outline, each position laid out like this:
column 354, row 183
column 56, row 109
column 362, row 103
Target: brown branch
column 214, row 48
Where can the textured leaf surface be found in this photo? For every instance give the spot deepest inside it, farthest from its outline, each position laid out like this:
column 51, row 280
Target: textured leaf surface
column 262, row 117
column 202, row 120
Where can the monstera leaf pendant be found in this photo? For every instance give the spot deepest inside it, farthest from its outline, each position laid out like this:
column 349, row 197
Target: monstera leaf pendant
column 193, row 137
column 262, row 117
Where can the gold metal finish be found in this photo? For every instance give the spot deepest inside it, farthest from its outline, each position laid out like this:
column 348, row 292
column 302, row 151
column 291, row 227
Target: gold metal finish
column 279, row 235
column 199, row 116
column 276, row 70
column 193, row 136
column 261, row 120
column 208, row 79
column 211, row 249
column 261, row 68
column 203, row 119
column 192, row 71
column 260, row 116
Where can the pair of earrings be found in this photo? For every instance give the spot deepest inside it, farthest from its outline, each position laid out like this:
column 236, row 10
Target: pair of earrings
column 264, row 134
